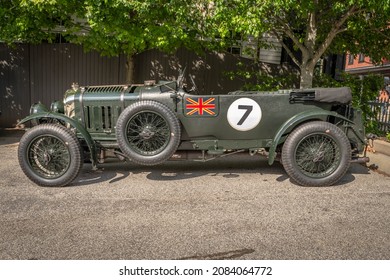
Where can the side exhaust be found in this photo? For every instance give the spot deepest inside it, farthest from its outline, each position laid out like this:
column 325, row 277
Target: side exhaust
column 360, row 160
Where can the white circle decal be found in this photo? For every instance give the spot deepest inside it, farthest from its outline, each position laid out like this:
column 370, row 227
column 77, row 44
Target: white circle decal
column 244, row 114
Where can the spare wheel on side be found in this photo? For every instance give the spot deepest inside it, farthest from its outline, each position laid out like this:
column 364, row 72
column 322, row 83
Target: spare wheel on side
column 148, row 132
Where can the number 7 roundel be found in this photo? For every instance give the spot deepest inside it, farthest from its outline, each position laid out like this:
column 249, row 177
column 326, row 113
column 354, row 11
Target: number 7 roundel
column 244, row 114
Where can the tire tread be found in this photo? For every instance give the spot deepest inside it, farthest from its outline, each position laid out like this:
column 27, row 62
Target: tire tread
column 170, row 118
column 290, row 145
column 66, row 135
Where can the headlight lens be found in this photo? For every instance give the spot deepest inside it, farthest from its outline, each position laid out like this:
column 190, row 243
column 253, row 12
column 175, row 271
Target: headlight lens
column 57, row 106
column 38, row 108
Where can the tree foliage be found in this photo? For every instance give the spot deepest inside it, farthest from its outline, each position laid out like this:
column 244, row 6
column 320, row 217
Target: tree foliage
column 31, row 21
column 113, row 27
column 313, row 27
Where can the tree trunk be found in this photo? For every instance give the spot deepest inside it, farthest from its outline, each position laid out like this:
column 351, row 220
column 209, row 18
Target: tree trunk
column 307, row 73
column 130, row 69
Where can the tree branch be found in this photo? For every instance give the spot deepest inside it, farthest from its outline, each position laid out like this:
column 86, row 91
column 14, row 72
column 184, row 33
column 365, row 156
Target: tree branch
column 287, row 30
column 380, row 32
column 337, row 28
column 311, row 30
column 286, row 48
column 341, row 30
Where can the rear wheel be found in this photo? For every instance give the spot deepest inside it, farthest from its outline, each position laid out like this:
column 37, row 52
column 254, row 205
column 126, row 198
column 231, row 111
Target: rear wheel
column 50, row 155
column 316, row 154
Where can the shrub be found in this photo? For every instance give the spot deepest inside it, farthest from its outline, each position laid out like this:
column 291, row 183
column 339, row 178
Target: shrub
column 364, row 89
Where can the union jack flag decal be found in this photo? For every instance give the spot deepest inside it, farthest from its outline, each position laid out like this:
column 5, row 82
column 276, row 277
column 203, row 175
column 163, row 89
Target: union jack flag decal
column 200, row 106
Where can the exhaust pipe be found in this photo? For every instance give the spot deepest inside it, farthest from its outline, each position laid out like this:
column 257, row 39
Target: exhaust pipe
column 360, row 160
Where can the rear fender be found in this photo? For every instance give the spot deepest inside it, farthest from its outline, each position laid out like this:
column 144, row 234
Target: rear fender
column 291, row 123
column 86, row 136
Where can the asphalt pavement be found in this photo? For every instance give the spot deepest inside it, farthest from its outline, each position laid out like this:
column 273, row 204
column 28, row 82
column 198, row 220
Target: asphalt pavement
column 233, row 208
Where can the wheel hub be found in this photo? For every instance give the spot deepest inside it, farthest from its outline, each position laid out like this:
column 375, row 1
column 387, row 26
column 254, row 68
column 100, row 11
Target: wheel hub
column 49, row 156
column 319, row 157
column 46, row 158
column 147, row 133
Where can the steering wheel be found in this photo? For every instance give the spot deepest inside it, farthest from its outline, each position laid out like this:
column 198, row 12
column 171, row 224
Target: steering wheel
column 194, row 87
column 180, row 78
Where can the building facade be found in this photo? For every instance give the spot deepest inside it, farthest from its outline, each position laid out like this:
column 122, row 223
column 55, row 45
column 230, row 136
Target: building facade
column 362, row 65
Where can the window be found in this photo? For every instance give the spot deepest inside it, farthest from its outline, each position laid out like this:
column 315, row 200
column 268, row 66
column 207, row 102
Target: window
column 252, row 48
column 235, row 50
column 361, row 58
column 56, row 38
column 351, row 58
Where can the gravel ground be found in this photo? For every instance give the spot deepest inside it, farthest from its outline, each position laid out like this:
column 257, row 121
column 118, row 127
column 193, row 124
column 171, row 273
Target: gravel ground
column 234, row 208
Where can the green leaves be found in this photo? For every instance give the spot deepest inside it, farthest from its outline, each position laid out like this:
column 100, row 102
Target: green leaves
column 315, row 27
column 307, row 29
column 110, row 26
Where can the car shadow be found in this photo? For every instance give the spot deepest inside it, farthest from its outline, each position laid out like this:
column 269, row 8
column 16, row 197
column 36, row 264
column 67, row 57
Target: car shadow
column 115, row 171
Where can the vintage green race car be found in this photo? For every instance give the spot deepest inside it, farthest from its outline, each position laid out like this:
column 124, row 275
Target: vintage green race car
column 315, row 133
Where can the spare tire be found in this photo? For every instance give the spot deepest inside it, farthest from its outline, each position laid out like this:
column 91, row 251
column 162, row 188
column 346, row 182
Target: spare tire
column 148, row 132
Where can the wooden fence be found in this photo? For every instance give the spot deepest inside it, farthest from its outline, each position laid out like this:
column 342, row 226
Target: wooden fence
column 381, row 112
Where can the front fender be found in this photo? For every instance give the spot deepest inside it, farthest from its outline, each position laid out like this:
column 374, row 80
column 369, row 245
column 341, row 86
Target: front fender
column 81, row 129
column 293, row 122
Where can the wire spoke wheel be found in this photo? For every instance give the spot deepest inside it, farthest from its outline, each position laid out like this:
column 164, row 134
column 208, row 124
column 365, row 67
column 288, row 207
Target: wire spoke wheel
column 148, row 133
column 48, row 156
column 317, row 155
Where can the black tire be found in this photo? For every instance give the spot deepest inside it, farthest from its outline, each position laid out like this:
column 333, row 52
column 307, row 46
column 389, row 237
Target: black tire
column 316, row 154
column 148, row 132
column 50, row 155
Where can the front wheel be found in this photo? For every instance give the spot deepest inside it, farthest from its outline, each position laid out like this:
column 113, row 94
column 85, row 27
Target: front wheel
column 316, row 154
column 50, row 155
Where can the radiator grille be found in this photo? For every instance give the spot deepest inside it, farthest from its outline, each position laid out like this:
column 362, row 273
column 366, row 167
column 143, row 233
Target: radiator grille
column 118, row 88
column 98, row 118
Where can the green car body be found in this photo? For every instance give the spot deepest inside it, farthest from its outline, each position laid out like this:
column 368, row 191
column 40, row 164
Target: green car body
column 150, row 123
